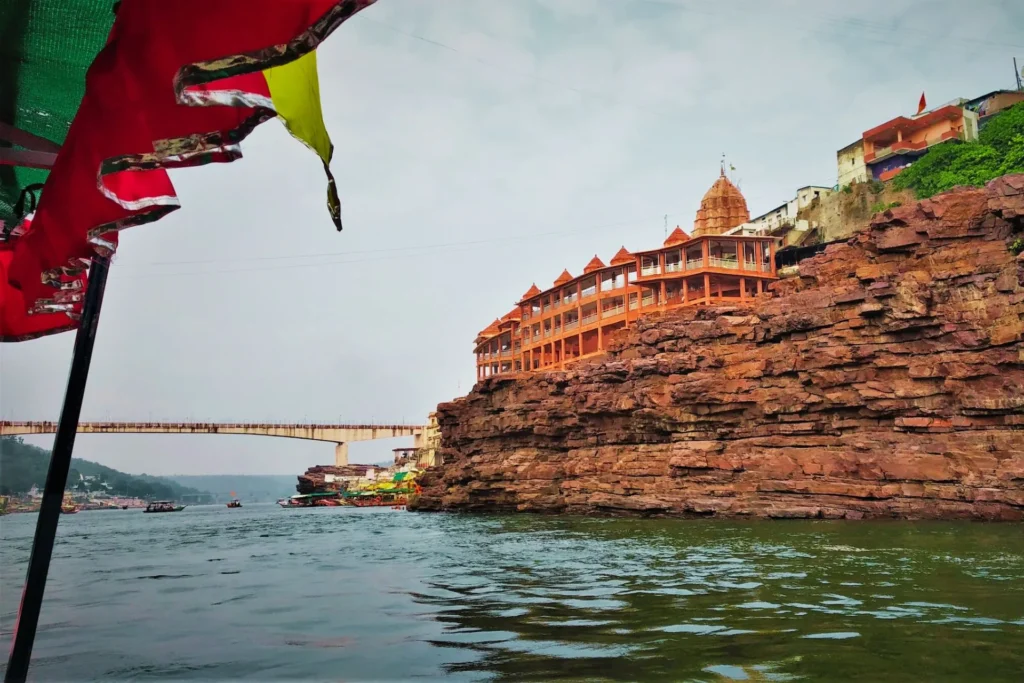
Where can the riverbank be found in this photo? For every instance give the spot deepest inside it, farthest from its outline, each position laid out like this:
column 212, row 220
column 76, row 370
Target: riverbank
column 886, row 379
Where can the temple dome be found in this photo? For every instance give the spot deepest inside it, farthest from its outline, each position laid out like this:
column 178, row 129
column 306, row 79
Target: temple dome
column 531, row 292
column 622, row 257
column 678, row 236
column 595, row 264
column 722, row 208
column 566, row 276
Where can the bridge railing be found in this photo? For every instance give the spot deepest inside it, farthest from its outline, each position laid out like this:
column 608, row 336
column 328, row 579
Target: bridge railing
column 216, row 425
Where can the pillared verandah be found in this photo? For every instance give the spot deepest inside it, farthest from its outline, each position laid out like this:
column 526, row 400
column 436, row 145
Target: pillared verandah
column 576, row 316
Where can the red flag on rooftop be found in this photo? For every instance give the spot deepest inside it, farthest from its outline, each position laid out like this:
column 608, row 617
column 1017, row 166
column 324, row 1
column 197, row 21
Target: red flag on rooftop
column 921, row 105
column 178, row 84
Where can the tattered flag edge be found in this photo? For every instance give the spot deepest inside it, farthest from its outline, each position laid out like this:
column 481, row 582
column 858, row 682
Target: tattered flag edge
column 201, row 148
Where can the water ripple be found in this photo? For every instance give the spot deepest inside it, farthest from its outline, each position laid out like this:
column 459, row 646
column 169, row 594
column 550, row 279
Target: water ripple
column 378, row 595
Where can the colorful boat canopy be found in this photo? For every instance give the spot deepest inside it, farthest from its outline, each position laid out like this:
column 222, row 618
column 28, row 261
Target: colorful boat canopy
column 177, row 84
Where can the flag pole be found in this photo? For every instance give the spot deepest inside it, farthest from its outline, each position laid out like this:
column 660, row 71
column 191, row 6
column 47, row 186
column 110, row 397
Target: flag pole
column 56, row 476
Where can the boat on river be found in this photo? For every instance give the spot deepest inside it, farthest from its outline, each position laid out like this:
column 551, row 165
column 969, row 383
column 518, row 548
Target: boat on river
column 235, row 503
column 163, row 506
column 371, row 499
column 68, row 506
column 314, row 500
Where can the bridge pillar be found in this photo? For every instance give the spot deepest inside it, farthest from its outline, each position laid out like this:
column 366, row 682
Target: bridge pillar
column 340, row 454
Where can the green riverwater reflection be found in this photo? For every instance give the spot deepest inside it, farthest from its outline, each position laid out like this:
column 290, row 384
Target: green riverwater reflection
column 376, row 595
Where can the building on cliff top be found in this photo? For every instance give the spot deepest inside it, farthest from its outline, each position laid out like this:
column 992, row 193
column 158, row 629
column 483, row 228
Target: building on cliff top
column 989, row 104
column 885, row 150
column 577, row 316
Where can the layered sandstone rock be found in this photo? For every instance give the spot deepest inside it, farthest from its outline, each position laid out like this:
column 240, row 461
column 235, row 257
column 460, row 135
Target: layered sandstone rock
column 886, row 380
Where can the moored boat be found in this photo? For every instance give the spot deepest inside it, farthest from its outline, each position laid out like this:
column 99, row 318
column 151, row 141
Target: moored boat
column 69, row 509
column 311, row 500
column 163, row 506
column 235, row 503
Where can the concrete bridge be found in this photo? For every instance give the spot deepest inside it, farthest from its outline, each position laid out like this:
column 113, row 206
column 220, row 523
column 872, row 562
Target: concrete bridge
column 338, row 434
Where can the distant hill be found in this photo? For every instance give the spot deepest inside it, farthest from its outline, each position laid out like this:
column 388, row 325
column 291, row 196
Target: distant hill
column 249, row 488
column 23, row 465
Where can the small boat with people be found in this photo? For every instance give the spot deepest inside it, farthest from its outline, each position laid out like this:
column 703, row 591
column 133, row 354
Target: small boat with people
column 68, row 506
column 234, row 503
column 163, row 506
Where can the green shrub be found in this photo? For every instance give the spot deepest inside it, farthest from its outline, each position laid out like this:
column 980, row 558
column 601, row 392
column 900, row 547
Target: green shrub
column 847, row 189
column 1017, row 246
column 1000, row 132
column 876, row 186
column 878, row 207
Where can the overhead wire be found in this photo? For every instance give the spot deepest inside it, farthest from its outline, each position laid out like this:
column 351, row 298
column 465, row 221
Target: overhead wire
column 376, row 255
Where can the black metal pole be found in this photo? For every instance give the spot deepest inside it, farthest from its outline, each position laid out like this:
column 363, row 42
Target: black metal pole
column 56, row 477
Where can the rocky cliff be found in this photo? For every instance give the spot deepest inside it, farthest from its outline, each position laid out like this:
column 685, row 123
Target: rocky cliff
column 886, row 380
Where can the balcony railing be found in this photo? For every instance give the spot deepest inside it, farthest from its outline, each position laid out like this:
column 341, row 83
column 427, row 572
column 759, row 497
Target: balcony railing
column 556, row 304
column 724, row 263
column 572, row 325
column 694, row 264
column 614, row 310
column 587, row 293
column 651, row 270
column 547, row 333
column 648, row 300
column 507, row 353
column 634, row 304
column 674, row 267
column 592, row 318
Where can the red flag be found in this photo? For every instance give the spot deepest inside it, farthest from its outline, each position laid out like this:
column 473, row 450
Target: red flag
column 17, row 323
column 921, row 105
column 133, row 121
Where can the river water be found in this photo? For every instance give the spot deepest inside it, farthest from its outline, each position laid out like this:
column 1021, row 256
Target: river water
column 262, row 593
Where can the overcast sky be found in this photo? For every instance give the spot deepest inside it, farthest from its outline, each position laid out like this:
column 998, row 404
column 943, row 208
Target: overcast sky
column 480, row 146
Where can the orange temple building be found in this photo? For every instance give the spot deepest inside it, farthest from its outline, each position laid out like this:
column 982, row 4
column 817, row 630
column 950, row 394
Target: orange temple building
column 576, row 316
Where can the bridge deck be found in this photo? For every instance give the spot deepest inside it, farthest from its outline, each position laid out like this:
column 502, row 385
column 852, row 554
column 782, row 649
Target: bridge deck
column 4, row 424
column 337, row 433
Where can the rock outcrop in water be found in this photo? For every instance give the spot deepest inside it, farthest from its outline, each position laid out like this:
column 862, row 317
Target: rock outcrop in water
column 886, row 380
